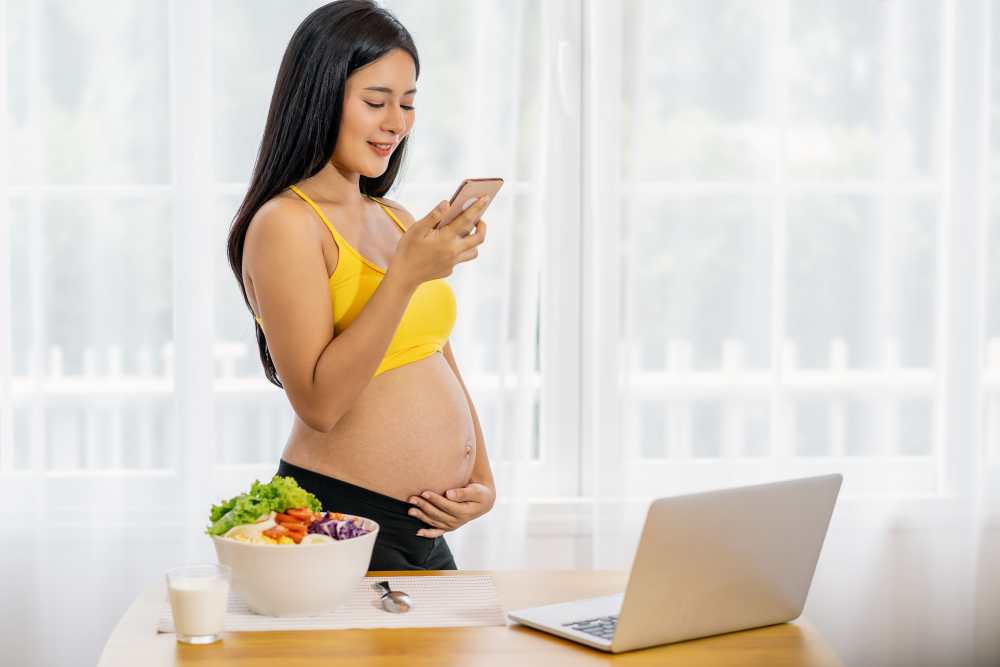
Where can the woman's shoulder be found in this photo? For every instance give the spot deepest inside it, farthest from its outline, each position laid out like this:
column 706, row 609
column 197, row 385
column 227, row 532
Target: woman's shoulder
column 277, row 210
column 282, row 216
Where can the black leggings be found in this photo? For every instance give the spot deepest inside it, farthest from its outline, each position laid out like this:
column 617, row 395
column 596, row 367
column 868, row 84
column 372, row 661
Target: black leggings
column 397, row 546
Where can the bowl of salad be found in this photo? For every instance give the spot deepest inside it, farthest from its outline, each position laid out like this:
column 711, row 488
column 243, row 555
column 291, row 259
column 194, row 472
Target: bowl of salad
column 288, row 556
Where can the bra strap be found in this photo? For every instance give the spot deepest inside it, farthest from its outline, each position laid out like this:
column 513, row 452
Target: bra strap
column 388, row 212
column 319, row 212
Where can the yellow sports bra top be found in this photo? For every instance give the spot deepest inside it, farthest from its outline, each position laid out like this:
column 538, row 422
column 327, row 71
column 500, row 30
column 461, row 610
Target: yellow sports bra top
column 429, row 316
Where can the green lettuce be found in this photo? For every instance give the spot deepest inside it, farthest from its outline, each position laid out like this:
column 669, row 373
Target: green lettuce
column 280, row 494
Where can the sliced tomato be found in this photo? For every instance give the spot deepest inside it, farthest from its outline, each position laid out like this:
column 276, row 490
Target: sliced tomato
column 300, row 513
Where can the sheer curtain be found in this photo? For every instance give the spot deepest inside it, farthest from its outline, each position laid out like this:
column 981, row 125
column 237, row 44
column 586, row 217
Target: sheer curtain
column 799, row 199
column 738, row 241
column 131, row 394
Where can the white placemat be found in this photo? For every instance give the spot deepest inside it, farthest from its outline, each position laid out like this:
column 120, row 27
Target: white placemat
column 438, row 601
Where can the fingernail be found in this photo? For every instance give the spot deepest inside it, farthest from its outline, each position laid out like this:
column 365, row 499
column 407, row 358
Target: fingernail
column 426, row 494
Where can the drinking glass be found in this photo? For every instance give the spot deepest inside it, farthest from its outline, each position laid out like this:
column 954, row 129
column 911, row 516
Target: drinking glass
column 198, row 596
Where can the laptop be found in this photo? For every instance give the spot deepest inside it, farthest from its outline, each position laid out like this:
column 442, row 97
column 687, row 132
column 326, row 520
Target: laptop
column 707, row 563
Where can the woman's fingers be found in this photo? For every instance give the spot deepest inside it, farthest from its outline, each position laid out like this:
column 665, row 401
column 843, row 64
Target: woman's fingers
column 437, row 511
column 468, row 245
column 476, row 237
column 419, row 514
column 462, row 225
column 467, row 220
column 430, row 532
column 468, row 255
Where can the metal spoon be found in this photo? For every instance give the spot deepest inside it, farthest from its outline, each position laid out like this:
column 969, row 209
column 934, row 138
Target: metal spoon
column 397, row 602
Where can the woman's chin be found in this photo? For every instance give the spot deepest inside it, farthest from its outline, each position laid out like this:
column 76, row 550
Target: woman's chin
column 375, row 172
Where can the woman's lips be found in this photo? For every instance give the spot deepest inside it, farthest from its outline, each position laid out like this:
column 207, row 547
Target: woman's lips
column 380, row 151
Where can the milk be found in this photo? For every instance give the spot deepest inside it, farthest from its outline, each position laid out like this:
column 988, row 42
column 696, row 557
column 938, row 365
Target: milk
column 198, row 604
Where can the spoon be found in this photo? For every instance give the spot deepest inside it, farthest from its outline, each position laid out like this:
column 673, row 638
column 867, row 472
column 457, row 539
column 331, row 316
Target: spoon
column 397, row 602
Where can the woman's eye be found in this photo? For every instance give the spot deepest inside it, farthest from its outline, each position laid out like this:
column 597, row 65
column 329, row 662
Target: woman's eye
column 379, row 106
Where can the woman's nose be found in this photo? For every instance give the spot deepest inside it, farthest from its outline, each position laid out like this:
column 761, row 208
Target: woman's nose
column 396, row 122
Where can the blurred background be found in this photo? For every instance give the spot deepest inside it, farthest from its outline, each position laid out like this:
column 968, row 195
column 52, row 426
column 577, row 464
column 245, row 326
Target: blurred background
column 739, row 241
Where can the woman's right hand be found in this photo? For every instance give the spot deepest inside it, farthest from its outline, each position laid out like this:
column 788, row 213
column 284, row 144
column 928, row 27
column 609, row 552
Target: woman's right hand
column 425, row 253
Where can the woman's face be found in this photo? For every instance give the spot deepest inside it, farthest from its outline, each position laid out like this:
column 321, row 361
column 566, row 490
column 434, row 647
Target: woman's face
column 378, row 109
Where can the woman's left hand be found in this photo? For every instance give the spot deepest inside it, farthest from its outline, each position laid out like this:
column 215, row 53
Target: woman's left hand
column 458, row 508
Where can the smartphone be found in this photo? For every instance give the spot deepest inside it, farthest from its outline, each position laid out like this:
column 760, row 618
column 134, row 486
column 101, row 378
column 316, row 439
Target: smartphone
column 466, row 195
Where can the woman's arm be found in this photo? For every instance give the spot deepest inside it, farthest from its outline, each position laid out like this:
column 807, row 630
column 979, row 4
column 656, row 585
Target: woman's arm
column 322, row 374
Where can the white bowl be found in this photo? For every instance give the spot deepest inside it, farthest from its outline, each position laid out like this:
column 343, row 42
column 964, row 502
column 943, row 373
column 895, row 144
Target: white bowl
column 298, row 579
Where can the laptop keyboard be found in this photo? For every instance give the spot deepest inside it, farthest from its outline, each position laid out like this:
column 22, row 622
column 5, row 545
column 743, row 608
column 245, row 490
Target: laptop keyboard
column 602, row 626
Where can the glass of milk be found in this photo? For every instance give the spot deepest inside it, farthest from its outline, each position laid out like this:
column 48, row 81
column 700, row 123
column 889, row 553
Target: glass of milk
column 198, row 596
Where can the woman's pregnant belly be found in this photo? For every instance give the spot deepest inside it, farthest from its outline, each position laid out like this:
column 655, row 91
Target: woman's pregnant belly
column 409, row 431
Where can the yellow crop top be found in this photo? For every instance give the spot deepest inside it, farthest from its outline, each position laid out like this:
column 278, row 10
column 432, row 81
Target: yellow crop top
column 427, row 321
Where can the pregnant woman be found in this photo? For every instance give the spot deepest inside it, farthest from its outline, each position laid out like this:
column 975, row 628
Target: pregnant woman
column 348, row 293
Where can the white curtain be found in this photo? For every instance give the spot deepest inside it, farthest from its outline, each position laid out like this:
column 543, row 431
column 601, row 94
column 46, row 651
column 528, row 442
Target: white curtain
column 788, row 221
column 738, row 241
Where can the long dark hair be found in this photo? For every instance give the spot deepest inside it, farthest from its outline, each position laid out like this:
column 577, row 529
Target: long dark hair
column 304, row 117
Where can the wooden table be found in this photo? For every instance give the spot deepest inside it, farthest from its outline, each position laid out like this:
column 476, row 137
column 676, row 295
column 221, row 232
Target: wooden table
column 135, row 641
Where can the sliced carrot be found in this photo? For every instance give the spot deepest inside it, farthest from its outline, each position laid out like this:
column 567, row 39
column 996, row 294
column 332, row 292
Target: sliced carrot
column 276, row 532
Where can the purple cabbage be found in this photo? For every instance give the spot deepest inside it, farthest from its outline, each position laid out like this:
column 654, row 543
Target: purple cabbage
column 338, row 530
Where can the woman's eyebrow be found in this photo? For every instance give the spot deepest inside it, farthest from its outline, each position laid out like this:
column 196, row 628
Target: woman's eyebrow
column 383, row 89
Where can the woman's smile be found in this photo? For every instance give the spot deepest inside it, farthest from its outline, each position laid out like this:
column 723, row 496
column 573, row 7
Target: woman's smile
column 383, row 150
